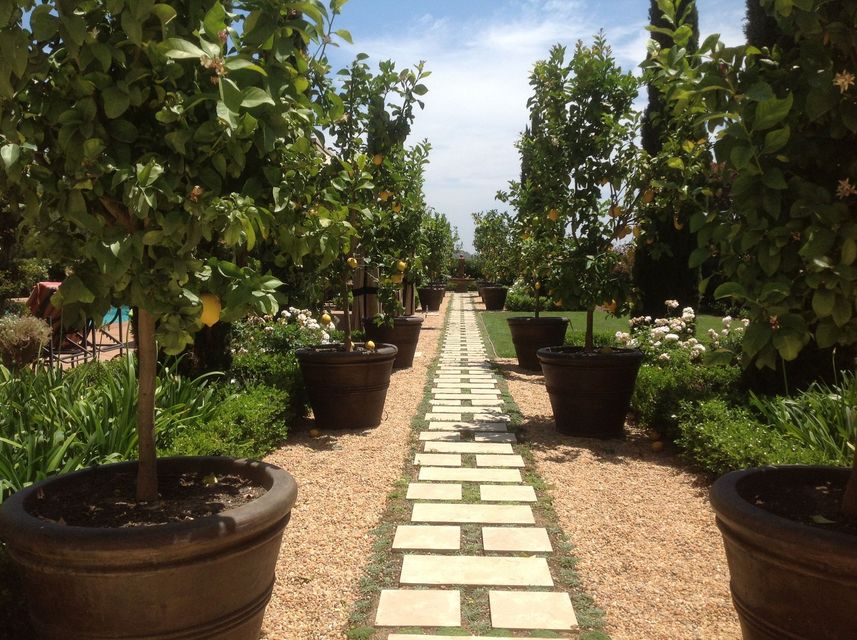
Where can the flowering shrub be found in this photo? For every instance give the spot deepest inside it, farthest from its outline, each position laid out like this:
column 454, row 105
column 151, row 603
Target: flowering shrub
column 289, row 330
column 660, row 338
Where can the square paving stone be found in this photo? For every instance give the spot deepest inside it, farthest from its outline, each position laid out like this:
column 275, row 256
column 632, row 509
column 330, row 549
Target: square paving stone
column 427, row 537
column 496, row 437
column 501, row 493
column 445, row 403
column 500, row 461
column 476, row 570
column 443, row 436
column 444, row 409
column 466, row 474
column 479, row 427
column 431, row 491
column 531, row 610
column 450, row 417
column 490, row 415
column 419, row 608
column 531, row 539
column 472, row 513
column 467, row 447
column 438, row 459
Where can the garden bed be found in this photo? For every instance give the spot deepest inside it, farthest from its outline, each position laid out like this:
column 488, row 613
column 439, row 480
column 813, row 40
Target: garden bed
column 343, row 478
column 650, row 553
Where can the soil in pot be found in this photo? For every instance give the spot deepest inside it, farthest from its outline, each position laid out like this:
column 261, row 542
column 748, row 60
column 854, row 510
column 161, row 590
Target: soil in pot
column 206, row 574
column 529, row 334
column 792, row 557
column 404, row 333
column 590, row 392
column 347, row 390
column 431, row 297
column 495, row 298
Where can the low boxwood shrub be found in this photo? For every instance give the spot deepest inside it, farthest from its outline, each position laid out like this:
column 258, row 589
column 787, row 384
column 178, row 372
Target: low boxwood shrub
column 247, row 424
column 720, row 437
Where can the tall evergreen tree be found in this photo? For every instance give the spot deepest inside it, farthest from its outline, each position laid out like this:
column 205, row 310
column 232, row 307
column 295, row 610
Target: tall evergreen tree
column 760, row 28
column 661, row 269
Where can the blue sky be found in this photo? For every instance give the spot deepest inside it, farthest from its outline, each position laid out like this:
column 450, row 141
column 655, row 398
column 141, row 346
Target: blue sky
column 480, row 53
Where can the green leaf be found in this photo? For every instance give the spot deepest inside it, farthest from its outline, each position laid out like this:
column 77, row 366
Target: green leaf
column 841, row 311
column 698, row 256
column 215, row 20
column 777, row 139
column 730, row 290
column 675, row 163
column 254, row 97
column 75, row 27
column 756, row 337
column 10, row 153
column 772, row 112
column 153, row 237
column 74, row 290
column 132, row 27
column 301, row 84
column 43, row 24
column 230, row 94
column 788, row 344
column 345, row 34
column 773, row 178
column 760, row 92
column 827, row 334
column 822, row 302
column 234, row 64
column 116, row 102
column 165, row 13
column 178, row 49
column 741, row 156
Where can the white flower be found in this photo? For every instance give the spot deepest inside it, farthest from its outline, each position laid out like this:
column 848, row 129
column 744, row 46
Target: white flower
column 725, row 333
column 712, row 334
column 649, row 319
column 664, row 357
column 671, row 337
column 656, row 344
column 745, row 322
column 727, row 321
column 622, row 337
column 671, row 304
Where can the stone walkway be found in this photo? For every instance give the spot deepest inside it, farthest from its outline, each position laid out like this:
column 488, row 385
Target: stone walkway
column 464, row 482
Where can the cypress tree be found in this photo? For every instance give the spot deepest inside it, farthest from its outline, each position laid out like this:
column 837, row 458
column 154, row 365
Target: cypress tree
column 760, row 28
column 661, row 269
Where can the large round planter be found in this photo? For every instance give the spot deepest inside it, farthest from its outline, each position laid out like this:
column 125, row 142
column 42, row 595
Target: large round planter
column 529, row 334
column 347, row 390
column 20, row 355
column 431, row 297
column 204, row 579
column 494, row 297
column 404, row 334
column 789, row 580
column 590, row 392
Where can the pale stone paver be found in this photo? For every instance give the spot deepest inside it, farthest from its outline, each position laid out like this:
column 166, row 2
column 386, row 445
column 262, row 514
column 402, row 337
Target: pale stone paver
column 465, row 394
column 411, row 636
column 472, row 513
column 451, row 410
column 438, row 459
column 531, row 610
column 419, row 608
column 433, row 491
column 467, row 447
column 452, row 417
column 440, row 436
column 481, row 401
column 476, row 570
column 427, row 537
column 468, row 385
column 496, row 437
column 466, row 474
column 445, row 403
column 500, row 493
column 532, row 539
column 458, row 425
column 500, row 461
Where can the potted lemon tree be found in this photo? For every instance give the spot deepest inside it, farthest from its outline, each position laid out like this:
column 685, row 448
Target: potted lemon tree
column 347, row 383
column 492, row 240
column 588, row 172
column 150, row 147
column 786, row 244
column 433, row 259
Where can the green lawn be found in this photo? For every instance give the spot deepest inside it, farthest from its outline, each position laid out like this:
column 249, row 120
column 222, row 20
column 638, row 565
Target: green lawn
column 605, row 325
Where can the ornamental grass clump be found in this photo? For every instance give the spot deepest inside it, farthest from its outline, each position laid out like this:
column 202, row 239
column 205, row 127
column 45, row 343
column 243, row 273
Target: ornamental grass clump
column 21, row 339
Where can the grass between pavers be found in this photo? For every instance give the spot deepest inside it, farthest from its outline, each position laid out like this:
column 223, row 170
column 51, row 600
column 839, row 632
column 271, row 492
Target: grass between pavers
column 384, row 565
column 498, row 338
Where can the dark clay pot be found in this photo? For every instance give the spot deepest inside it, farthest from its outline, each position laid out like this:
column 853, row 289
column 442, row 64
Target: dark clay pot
column 494, row 297
column 590, row 392
column 789, row 580
column 404, row 334
column 206, row 579
column 431, row 297
column 347, row 390
column 529, row 334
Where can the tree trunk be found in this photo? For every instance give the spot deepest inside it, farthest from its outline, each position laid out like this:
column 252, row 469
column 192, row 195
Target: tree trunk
column 849, row 500
column 147, row 362
column 538, row 300
column 589, row 344
column 346, row 315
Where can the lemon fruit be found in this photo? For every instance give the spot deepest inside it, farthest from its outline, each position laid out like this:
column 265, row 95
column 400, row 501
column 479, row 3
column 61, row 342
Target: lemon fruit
column 538, row 285
column 396, row 278
column 352, row 262
column 326, row 319
column 553, row 214
column 615, row 211
column 211, row 308
column 370, row 345
column 401, row 265
column 384, row 196
column 648, row 196
column 609, row 307
column 397, row 207
column 377, row 159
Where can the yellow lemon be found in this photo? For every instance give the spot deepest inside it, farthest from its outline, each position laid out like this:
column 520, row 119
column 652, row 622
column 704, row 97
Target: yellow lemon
column 370, row 345
column 314, row 433
column 609, row 307
column 553, row 214
column 401, row 265
column 397, row 278
column 352, row 262
column 397, row 207
column 648, row 196
column 558, row 303
column 210, row 309
column 377, row 159
column 325, row 318
column 538, row 286
column 384, row 196
column 657, row 446
column 678, row 224
column 615, row 211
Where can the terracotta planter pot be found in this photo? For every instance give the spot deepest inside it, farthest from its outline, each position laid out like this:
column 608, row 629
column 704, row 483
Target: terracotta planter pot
column 431, row 297
column 590, row 392
column 347, row 390
column 404, row 334
column 789, row 580
column 206, row 579
column 529, row 334
column 20, row 355
column 494, row 297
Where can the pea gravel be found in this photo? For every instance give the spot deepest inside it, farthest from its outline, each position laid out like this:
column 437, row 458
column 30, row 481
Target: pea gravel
column 650, row 553
column 343, row 480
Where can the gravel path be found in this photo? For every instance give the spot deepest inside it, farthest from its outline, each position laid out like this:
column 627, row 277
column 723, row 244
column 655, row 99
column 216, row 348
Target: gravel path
column 343, row 478
column 650, row 553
